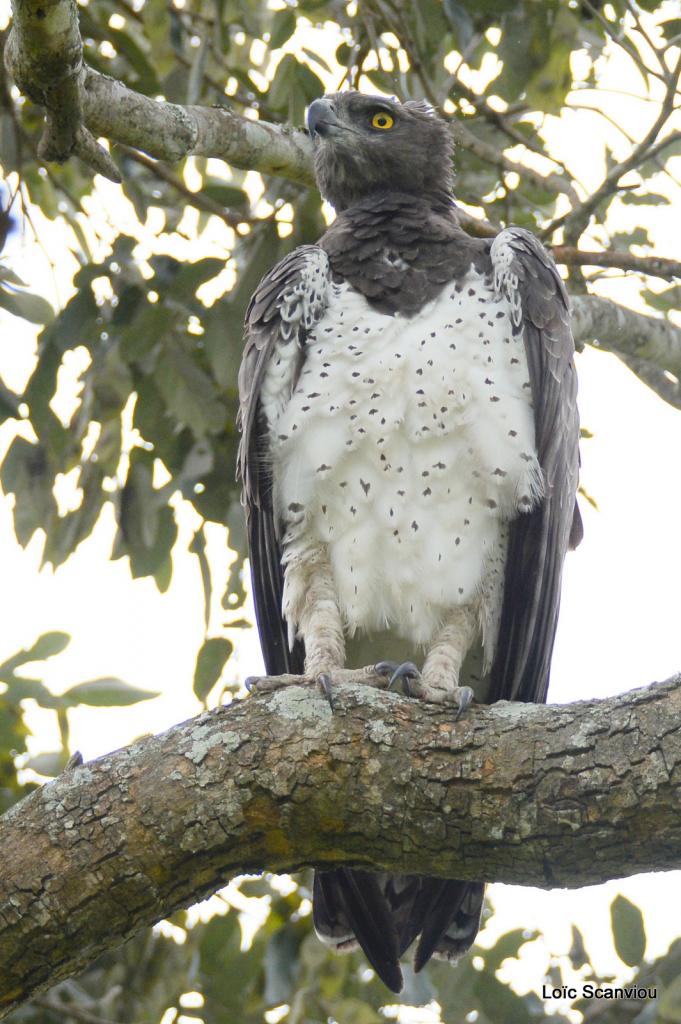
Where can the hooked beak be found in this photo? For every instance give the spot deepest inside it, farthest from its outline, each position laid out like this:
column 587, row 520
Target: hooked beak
column 321, row 118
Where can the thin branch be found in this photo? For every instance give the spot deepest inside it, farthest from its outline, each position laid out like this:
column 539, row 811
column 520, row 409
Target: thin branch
column 658, row 380
column 197, row 199
column 650, row 346
column 467, row 138
column 622, row 42
column 68, row 1009
column 576, row 219
column 571, row 105
column 491, row 155
column 476, row 226
column 513, row 792
column 657, row 266
column 498, row 119
column 640, row 28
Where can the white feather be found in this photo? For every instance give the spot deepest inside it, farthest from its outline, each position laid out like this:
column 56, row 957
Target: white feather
column 406, row 447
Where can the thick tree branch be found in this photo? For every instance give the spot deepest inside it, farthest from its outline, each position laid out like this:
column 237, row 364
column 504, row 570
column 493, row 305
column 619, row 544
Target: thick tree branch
column 549, row 796
column 650, row 345
column 171, row 132
column 44, row 54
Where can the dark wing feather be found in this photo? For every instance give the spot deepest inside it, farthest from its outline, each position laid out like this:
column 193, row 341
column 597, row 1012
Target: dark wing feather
column 286, row 304
column 539, row 540
column 450, row 912
column 349, row 905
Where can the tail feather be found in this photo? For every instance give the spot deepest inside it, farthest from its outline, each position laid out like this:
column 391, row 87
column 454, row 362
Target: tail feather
column 384, row 914
column 451, row 923
column 352, row 901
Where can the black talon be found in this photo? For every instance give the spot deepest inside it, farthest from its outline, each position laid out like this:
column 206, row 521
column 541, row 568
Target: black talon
column 251, row 683
column 324, row 682
column 465, row 698
column 406, row 671
column 385, row 668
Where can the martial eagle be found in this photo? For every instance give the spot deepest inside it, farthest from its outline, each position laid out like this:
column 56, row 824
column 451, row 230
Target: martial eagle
column 409, row 459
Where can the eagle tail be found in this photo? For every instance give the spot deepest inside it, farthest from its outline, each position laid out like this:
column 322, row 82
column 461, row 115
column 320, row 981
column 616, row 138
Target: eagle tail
column 384, row 914
column 349, row 907
column 451, row 921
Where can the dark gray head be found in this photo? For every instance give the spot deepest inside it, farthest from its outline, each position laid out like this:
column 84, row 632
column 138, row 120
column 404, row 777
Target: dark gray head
column 366, row 144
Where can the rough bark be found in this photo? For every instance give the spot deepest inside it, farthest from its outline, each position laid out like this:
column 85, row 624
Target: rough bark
column 547, row 796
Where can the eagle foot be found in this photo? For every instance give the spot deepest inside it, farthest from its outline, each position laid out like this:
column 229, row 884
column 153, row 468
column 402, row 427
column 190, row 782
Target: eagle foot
column 325, row 681
column 416, row 684
column 270, row 684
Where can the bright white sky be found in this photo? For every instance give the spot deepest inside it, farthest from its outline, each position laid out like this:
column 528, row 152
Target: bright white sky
column 621, row 607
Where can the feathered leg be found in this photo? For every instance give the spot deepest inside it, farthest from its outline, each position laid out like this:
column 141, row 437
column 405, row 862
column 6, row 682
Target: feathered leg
column 318, row 616
column 310, row 607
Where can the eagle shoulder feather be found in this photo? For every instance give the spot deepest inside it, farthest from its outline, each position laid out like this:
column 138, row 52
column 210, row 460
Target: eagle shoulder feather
column 538, row 540
column 286, row 305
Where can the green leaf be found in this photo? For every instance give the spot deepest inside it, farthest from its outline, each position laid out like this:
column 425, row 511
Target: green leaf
column 535, row 48
column 9, row 403
column 210, row 662
column 623, row 240
column 193, row 275
column 27, row 305
column 507, row 945
column 628, row 931
column 10, row 153
column 107, row 692
column 283, row 27
column 8, row 275
column 635, row 198
column 223, row 343
column 316, row 59
column 198, row 547
column 501, row 1003
column 46, row 646
column 25, row 474
column 666, row 300
column 147, row 79
column 189, row 394
column 226, row 195
column 19, row 688
column 226, row 975
column 70, row 530
column 280, row 965
column 577, row 952
column 671, row 29
column 668, row 1009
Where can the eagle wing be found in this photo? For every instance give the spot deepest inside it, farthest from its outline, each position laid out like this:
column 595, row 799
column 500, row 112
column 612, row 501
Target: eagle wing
column 287, row 303
column 538, row 540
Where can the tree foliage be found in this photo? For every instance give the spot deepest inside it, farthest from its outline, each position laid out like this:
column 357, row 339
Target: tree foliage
column 160, row 341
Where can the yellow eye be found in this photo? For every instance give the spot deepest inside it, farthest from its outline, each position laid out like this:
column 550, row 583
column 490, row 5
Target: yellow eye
column 382, row 120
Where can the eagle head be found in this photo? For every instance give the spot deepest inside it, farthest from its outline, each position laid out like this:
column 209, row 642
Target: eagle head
column 369, row 144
